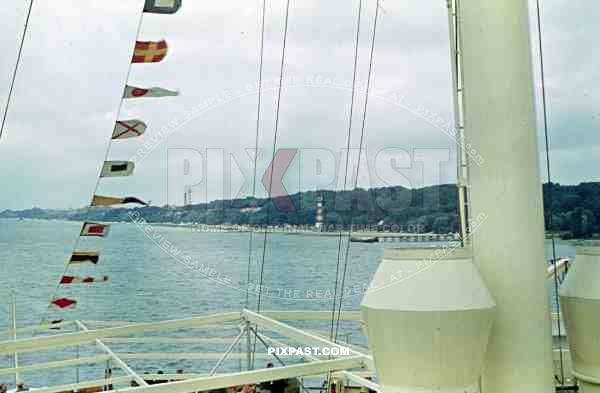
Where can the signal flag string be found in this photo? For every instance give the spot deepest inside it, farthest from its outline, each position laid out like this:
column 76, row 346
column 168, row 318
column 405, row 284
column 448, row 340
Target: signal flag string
column 142, row 52
column 95, row 189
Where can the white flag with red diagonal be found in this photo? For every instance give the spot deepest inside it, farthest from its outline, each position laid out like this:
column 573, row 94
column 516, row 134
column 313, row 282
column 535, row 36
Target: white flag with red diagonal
column 65, row 280
column 128, row 129
column 139, row 92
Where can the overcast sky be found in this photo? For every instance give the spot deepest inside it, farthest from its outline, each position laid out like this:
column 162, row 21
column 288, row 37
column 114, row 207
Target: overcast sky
column 76, row 57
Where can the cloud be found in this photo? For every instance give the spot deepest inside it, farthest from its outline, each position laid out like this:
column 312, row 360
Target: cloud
column 76, row 57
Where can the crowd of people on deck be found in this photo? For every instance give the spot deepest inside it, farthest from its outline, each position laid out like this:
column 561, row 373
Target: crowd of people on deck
column 21, row 387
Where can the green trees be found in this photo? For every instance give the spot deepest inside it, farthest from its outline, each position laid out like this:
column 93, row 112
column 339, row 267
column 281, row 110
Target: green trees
column 575, row 210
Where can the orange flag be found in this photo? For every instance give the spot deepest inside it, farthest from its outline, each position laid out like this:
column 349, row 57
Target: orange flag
column 99, row 200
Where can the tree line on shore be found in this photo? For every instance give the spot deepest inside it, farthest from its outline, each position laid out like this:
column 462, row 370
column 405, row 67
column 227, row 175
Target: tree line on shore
column 573, row 211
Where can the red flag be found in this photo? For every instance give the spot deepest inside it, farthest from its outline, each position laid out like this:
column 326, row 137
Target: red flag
column 63, row 302
column 94, row 229
column 149, row 51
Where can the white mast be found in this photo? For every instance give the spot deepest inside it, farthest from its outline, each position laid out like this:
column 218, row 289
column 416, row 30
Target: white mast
column 508, row 248
column 462, row 159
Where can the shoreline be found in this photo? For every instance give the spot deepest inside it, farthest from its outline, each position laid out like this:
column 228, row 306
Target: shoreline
column 305, row 231
column 206, row 228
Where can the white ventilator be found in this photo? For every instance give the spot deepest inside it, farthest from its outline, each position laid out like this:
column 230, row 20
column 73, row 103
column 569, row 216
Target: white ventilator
column 428, row 317
column 580, row 305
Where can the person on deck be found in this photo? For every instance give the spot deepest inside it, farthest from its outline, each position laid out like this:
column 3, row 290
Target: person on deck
column 250, row 388
column 277, row 386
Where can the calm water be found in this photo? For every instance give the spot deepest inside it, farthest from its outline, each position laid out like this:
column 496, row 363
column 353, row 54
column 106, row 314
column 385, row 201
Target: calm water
column 149, row 283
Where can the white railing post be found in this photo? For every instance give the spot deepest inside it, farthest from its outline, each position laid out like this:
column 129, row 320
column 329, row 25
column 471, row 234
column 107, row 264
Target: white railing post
column 13, row 315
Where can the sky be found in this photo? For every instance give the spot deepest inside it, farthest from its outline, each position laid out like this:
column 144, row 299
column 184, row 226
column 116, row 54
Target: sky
column 75, row 63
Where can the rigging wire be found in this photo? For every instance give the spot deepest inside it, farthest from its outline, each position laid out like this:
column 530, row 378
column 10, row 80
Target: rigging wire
column 277, row 111
column 106, row 153
column 550, row 186
column 348, row 143
column 266, row 345
column 362, row 135
column 276, row 132
column 258, row 108
column 16, row 69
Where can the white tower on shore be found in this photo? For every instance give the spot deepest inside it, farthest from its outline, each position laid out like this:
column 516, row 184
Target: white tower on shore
column 187, row 196
column 319, row 214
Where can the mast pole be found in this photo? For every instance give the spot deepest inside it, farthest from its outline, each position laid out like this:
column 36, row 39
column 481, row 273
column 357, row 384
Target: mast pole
column 13, row 316
column 505, row 187
column 461, row 156
column 248, row 347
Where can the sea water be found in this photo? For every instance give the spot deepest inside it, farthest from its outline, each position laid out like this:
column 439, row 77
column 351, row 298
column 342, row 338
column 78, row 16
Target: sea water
column 161, row 272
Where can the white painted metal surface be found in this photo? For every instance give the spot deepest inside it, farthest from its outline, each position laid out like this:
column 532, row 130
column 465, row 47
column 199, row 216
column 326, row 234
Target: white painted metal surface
column 300, row 335
column 561, row 266
column 508, row 247
column 195, row 381
column 428, row 319
column 86, row 384
column 307, row 315
column 168, row 340
column 248, row 377
column 72, row 339
column 120, row 363
column 36, row 328
column 580, row 304
column 55, row 364
column 351, row 376
column 191, row 356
